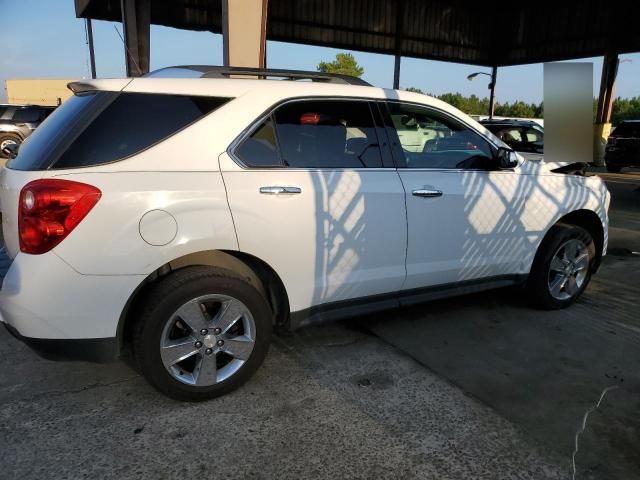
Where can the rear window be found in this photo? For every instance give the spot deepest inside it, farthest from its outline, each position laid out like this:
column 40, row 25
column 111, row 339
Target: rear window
column 104, row 127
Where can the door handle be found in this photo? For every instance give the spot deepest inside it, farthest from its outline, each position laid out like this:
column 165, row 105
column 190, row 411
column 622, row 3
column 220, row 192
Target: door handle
column 278, row 190
column 427, row 192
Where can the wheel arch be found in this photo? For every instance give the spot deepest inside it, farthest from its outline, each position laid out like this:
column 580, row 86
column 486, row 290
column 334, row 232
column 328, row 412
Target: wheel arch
column 591, row 222
column 260, row 274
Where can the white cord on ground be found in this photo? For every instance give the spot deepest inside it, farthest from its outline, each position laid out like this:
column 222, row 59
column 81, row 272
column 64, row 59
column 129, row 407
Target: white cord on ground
column 584, row 425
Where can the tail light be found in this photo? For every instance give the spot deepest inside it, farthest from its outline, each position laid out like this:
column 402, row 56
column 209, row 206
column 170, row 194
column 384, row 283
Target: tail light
column 50, row 209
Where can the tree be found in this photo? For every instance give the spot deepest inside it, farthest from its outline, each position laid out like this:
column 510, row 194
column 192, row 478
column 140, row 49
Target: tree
column 414, row 90
column 345, row 63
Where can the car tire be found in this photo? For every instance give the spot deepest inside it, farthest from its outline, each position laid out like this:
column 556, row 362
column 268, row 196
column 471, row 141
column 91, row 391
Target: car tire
column 560, row 273
column 170, row 321
column 613, row 168
column 8, row 137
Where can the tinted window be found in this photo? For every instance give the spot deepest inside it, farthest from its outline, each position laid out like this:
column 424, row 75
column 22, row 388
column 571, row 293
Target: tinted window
column 97, row 128
column 260, row 149
column 327, row 134
column 46, row 142
column 131, row 123
column 629, row 130
column 429, row 139
column 27, row 115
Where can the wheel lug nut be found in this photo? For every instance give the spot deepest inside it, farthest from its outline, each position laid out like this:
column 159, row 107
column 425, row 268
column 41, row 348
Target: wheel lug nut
column 220, row 343
column 208, row 351
column 198, row 344
column 217, row 331
column 204, row 331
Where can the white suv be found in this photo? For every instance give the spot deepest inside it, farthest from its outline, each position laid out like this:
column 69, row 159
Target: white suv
column 186, row 213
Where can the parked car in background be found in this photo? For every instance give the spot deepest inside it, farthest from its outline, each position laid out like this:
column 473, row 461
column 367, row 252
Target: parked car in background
column 623, row 146
column 183, row 218
column 17, row 122
column 524, row 136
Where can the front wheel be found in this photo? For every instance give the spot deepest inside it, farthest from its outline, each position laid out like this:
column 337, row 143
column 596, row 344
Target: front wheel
column 204, row 332
column 562, row 267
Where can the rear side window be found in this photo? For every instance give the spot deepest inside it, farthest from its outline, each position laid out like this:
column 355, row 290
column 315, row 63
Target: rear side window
column 315, row 134
column 261, row 148
column 27, row 115
column 131, row 123
column 103, row 127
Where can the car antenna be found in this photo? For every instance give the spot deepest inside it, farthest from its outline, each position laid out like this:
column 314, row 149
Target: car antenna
column 127, row 49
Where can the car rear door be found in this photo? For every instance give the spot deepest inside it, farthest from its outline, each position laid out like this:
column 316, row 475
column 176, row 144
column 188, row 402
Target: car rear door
column 312, row 195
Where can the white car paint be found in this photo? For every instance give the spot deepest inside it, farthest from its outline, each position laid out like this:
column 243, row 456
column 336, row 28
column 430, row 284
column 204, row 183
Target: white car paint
column 350, row 233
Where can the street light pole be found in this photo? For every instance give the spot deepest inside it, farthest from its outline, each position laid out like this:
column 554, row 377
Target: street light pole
column 492, row 96
column 492, row 87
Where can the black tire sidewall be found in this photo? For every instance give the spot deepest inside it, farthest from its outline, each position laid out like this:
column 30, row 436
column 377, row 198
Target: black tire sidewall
column 538, row 279
column 182, row 286
column 8, row 136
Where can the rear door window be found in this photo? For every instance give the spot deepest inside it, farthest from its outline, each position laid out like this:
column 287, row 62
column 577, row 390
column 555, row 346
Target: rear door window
column 104, row 127
column 315, row 134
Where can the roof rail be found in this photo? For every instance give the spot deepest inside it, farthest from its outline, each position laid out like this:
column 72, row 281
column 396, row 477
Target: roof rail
column 227, row 72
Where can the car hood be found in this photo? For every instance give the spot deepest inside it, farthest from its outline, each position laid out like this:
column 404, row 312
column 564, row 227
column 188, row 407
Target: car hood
column 540, row 166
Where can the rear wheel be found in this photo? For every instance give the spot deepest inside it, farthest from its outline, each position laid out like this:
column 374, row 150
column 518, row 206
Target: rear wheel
column 562, row 267
column 8, row 139
column 204, row 332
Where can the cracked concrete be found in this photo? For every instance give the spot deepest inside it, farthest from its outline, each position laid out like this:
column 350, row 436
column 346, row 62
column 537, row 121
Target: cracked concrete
column 329, row 402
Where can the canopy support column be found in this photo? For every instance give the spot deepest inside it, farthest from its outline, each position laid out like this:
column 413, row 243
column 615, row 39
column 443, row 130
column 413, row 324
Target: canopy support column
column 136, row 23
column 602, row 127
column 244, row 33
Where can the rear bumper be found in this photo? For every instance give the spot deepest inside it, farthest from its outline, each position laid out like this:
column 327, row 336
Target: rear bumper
column 99, row 350
column 61, row 313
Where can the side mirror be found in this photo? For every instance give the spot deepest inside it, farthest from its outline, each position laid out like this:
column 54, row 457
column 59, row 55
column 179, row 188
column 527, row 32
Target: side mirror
column 507, row 158
column 10, row 150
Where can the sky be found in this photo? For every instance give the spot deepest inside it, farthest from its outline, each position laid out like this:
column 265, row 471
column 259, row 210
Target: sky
column 45, row 40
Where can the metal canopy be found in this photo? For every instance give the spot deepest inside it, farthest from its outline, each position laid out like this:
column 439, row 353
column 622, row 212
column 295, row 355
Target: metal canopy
column 483, row 33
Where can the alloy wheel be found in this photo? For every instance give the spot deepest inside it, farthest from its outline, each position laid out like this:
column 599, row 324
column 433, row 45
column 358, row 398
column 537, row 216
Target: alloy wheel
column 568, row 269
column 207, row 340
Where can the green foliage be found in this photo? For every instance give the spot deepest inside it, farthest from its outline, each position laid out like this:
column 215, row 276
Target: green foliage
column 345, row 63
column 623, row 108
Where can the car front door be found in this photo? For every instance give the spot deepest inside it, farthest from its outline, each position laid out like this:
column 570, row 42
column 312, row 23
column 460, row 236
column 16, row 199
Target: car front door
column 462, row 213
column 313, row 195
